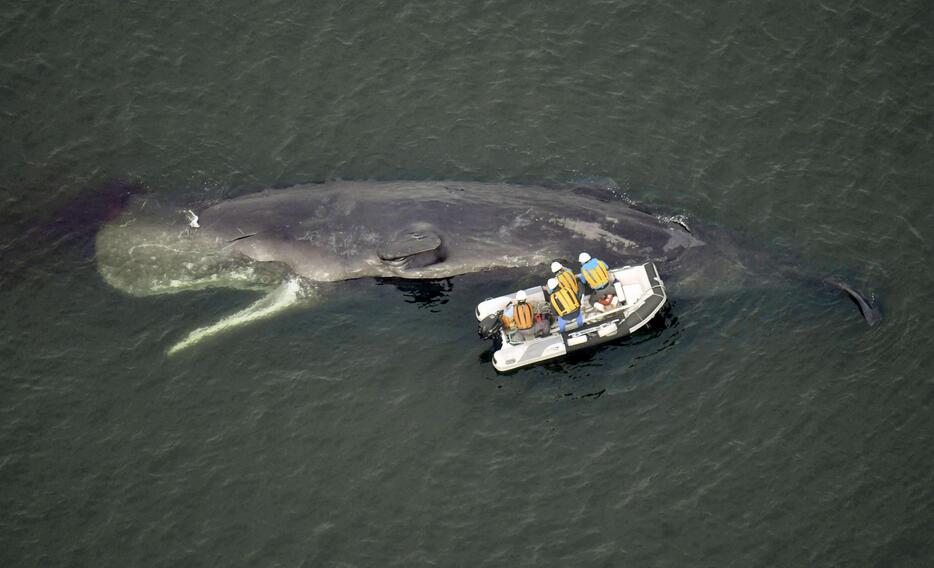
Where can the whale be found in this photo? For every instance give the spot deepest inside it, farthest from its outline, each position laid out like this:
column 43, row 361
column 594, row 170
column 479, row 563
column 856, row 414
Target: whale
column 286, row 243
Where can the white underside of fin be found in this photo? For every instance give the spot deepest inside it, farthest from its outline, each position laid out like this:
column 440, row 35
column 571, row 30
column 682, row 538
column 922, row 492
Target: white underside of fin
column 282, row 298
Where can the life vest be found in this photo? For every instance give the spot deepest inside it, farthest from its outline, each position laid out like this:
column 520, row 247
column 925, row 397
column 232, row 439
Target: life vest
column 567, row 280
column 596, row 274
column 564, row 301
column 506, row 321
column 523, row 316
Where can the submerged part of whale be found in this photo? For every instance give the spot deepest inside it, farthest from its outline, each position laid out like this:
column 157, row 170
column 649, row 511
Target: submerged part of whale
column 411, row 230
column 867, row 307
column 65, row 238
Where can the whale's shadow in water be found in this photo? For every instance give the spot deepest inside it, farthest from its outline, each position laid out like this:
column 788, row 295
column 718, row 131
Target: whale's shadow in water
column 427, row 294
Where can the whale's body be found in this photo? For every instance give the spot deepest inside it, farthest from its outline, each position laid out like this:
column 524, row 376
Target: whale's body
column 417, row 230
column 335, row 231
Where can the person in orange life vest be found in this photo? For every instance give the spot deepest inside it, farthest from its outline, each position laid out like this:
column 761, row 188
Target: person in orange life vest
column 597, row 276
column 565, row 303
column 518, row 315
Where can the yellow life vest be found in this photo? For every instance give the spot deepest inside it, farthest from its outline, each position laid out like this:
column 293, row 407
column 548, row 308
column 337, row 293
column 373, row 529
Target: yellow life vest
column 564, row 301
column 598, row 276
column 523, row 316
column 569, row 281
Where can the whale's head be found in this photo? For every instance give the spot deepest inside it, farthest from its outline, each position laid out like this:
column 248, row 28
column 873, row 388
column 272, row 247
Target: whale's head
column 150, row 249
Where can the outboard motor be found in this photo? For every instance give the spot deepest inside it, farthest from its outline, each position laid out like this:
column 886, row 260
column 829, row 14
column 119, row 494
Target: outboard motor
column 489, row 327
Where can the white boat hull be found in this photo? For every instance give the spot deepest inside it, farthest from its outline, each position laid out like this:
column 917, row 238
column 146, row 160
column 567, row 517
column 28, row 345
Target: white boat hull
column 639, row 294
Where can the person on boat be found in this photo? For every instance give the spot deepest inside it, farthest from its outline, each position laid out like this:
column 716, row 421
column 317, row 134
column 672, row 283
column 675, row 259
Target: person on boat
column 522, row 315
column 566, row 278
column 518, row 314
column 565, row 303
column 597, row 276
column 506, row 317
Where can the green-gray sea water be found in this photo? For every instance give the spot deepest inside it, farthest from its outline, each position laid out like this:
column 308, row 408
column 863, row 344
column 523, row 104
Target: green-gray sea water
column 762, row 429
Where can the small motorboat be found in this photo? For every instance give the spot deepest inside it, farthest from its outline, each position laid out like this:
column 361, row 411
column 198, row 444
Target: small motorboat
column 637, row 295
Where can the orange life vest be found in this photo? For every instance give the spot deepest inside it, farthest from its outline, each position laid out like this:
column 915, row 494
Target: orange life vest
column 523, row 316
column 506, row 321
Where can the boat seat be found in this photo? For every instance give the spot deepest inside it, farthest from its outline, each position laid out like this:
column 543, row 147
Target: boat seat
column 632, row 293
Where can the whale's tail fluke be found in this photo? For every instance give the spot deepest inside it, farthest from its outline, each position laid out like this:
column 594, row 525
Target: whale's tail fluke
column 288, row 294
column 867, row 306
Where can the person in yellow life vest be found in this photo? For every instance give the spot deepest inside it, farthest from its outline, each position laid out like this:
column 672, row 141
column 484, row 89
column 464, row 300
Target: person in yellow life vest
column 566, row 278
column 596, row 275
column 565, row 303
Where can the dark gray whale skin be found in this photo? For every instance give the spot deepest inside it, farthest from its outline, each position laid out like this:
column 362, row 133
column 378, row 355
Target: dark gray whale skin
column 419, row 230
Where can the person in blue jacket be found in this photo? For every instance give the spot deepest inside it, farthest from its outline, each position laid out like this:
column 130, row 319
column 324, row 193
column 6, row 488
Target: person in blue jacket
column 596, row 274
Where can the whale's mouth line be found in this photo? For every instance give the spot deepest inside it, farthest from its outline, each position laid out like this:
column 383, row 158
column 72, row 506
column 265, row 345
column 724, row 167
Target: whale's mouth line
column 230, row 242
column 240, row 238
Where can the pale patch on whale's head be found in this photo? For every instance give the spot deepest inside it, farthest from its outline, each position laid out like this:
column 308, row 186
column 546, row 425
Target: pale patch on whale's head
column 145, row 260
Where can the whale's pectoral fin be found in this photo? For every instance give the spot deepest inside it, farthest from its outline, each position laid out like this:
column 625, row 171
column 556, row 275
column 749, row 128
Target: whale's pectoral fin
column 285, row 296
column 867, row 307
column 413, row 249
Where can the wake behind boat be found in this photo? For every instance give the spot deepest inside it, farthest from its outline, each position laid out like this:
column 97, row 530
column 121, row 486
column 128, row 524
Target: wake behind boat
column 637, row 297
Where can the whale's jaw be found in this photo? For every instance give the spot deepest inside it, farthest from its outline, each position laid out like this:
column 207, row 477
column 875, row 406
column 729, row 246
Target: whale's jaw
column 290, row 293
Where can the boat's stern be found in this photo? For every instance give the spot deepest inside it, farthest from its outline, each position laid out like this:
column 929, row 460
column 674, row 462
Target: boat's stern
column 514, row 355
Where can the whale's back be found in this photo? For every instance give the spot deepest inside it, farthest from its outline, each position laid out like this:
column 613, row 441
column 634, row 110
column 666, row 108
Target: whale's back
column 335, row 231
